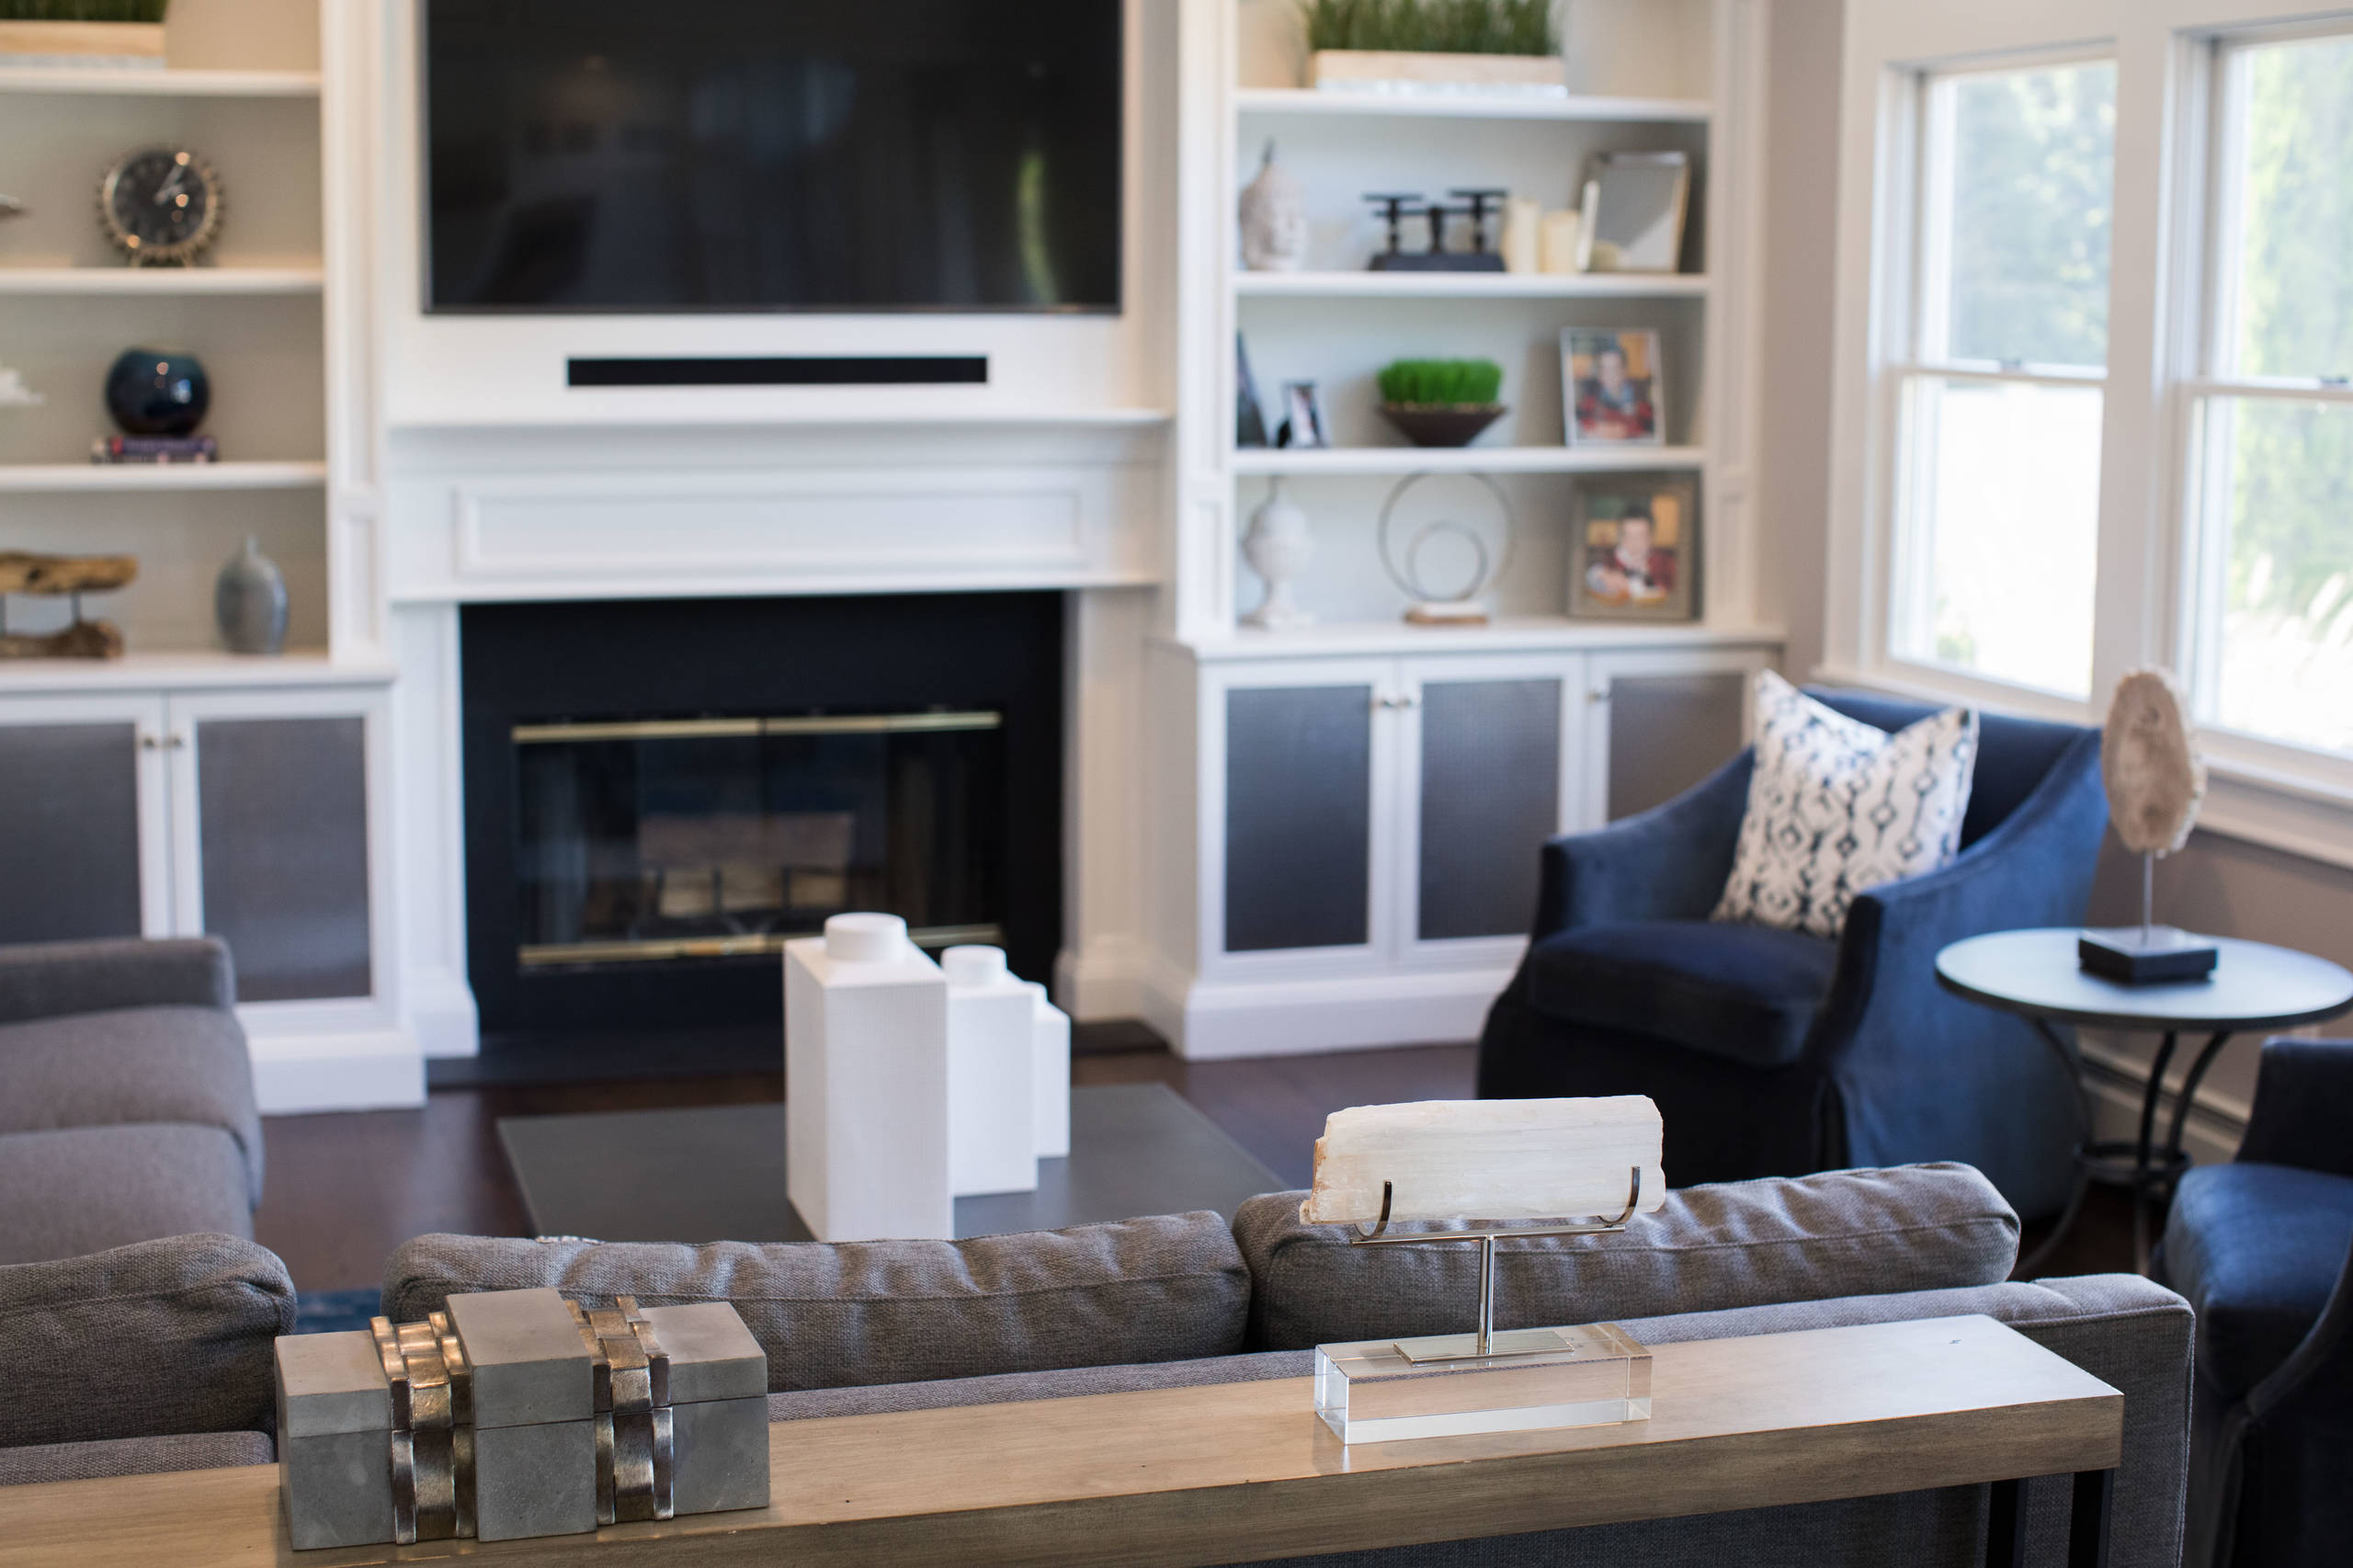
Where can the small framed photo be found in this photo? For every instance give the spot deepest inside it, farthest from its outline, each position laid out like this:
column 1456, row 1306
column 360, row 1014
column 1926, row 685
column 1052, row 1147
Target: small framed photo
column 1637, row 549
column 1610, row 387
column 1302, row 418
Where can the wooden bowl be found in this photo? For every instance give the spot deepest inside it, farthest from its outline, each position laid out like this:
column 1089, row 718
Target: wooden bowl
column 1442, row 423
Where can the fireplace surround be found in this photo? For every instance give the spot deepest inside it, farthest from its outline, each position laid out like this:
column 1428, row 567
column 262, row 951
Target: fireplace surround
column 658, row 793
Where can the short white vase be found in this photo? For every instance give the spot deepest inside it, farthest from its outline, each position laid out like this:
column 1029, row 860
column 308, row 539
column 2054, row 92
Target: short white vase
column 1278, row 548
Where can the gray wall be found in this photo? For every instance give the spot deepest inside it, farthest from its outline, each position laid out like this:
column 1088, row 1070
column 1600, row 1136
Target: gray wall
column 1801, row 218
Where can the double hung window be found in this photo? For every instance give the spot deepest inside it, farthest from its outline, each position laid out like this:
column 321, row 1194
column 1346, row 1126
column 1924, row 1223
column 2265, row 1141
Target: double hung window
column 2002, row 374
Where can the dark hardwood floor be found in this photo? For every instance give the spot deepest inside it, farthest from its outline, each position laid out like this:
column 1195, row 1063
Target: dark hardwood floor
column 344, row 1190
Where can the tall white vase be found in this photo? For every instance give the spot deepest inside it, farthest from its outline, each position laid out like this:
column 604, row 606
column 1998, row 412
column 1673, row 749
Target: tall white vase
column 866, row 1084
column 1278, row 548
column 992, row 1142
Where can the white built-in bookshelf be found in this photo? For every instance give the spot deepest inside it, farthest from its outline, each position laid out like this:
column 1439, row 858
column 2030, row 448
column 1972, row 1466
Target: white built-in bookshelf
column 242, row 87
column 1657, row 76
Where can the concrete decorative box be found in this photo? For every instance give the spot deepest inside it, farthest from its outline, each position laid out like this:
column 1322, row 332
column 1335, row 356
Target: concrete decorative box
column 517, row 1413
column 1437, row 76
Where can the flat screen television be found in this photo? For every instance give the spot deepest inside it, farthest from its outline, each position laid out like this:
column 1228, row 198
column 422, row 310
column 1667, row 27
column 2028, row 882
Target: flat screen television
column 664, row 156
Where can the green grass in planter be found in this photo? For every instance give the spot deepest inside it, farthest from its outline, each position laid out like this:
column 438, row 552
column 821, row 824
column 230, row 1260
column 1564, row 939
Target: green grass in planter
column 1452, row 383
column 83, row 11
column 1434, row 27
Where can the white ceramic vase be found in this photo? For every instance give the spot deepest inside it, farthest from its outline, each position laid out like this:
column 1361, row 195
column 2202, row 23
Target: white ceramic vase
column 1278, row 548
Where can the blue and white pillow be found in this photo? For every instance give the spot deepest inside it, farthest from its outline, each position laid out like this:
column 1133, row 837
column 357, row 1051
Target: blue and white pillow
column 1837, row 807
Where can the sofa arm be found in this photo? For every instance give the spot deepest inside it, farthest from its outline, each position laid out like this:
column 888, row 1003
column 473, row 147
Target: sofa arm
column 1669, row 863
column 2303, row 1099
column 48, row 979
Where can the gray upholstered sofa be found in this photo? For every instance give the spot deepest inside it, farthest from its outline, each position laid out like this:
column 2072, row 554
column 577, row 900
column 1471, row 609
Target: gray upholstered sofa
column 1186, row 1299
column 126, row 1097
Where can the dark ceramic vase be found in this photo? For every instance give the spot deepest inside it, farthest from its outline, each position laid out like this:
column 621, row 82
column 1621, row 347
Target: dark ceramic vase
column 158, row 391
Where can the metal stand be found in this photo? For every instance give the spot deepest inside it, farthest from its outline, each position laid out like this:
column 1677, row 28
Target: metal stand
column 1486, row 1344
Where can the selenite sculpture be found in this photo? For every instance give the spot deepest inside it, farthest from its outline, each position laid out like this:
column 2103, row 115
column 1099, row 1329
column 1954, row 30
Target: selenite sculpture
column 1466, row 1162
column 2155, row 782
column 1274, row 219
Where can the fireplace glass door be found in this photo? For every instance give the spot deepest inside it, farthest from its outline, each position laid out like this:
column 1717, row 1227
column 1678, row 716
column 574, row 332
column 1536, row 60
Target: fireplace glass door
column 670, row 840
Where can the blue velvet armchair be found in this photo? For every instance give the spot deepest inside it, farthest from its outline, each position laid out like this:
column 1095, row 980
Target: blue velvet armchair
column 2263, row 1249
column 1776, row 1053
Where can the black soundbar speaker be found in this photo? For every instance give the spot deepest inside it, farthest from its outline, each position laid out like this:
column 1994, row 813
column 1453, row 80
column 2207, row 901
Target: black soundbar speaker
column 801, row 370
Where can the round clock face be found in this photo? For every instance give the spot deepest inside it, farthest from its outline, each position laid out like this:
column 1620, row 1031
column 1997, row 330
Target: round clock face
column 161, row 204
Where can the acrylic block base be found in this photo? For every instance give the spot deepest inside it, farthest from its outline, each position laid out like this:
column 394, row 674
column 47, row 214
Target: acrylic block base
column 1382, row 1390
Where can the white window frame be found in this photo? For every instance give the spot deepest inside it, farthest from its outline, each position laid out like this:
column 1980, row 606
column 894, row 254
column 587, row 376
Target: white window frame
column 2169, row 55
column 1918, row 318
column 2205, row 241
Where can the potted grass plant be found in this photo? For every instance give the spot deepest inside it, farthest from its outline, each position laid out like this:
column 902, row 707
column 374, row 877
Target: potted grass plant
column 1494, row 47
column 82, row 32
column 1441, row 402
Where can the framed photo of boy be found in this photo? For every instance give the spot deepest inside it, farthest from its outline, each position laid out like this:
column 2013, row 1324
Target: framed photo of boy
column 1609, row 385
column 1637, row 550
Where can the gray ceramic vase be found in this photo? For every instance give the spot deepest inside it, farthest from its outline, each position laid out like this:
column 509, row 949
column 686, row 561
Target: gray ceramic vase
column 249, row 601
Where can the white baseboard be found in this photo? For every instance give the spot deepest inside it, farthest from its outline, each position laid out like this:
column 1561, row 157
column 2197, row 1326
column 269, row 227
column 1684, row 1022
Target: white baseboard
column 1104, row 979
column 1210, row 1020
column 303, row 1074
column 440, row 1005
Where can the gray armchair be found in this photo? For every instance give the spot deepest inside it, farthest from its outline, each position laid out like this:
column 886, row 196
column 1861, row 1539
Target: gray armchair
column 127, row 1108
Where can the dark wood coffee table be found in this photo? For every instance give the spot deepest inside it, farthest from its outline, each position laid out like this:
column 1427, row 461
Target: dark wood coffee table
column 716, row 1173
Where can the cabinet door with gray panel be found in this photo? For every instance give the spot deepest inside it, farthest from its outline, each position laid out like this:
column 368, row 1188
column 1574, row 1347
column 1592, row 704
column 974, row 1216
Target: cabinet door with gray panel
column 1489, row 752
column 82, row 836
column 1300, row 759
column 1659, row 723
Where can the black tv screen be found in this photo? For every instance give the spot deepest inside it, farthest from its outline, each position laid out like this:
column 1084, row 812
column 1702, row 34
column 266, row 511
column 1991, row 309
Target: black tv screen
column 652, row 155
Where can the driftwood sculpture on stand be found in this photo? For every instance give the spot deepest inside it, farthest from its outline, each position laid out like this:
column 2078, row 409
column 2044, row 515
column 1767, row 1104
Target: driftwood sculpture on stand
column 70, row 577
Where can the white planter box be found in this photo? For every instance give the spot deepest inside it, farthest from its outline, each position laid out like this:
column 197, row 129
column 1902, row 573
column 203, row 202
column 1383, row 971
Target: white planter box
column 1489, row 75
column 81, row 44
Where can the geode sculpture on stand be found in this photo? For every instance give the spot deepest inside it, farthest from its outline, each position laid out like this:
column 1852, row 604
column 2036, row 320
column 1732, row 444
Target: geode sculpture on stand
column 2155, row 784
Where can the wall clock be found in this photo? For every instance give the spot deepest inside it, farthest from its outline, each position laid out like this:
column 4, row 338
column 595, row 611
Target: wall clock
column 161, row 206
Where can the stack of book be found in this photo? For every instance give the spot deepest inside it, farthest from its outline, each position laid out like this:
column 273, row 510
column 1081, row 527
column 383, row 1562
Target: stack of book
column 155, row 450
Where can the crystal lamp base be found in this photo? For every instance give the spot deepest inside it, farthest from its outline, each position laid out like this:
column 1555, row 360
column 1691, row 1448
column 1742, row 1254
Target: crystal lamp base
column 1528, row 1379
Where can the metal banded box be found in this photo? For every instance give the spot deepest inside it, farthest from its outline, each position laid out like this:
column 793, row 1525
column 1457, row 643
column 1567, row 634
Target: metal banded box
column 517, row 1413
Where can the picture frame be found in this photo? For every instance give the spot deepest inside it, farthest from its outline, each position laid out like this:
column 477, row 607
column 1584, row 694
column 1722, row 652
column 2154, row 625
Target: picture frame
column 1612, row 387
column 1303, row 424
column 1636, row 549
column 1634, row 206
column 1249, row 418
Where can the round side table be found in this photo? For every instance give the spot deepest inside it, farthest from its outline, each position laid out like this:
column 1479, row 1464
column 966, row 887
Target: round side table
column 2035, row 975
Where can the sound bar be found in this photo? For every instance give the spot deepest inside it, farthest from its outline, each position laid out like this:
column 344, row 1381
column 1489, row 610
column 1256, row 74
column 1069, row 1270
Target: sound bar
column 875, row 371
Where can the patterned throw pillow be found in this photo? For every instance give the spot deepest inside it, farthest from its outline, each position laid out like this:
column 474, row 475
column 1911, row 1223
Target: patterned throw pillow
column 1837, row 807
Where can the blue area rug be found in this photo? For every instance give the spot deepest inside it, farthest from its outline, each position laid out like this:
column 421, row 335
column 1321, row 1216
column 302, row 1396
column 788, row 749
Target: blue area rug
column 336, row 1311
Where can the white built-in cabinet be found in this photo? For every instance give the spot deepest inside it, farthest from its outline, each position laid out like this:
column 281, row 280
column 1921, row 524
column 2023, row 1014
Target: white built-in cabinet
column 252, row 814
column 1370, row 828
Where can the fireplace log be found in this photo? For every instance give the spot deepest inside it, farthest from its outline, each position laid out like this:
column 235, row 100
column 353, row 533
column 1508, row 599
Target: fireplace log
column 83, row 639
column 23, row 572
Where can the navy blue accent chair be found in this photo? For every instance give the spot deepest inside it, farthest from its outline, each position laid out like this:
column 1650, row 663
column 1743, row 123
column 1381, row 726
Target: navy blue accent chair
column 1776, row 1053
column 2263, row 1249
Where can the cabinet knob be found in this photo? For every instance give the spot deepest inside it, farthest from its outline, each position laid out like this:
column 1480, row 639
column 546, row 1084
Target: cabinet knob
column 150, row 743
column 179, row 740
column 1598, row 694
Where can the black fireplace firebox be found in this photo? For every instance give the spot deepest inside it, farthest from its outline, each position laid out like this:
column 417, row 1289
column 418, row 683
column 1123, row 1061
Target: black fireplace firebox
column 658, row 795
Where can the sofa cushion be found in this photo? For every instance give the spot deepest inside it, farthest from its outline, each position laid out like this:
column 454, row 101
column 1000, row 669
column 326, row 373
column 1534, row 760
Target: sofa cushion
column 161, row 1338
column 88, row 1189
column 48, row 979
column 134, row 1456
column 851, row 1313
column 2257, row 1249
column 1742, row 1243
column 186, row 1065
column 1746, row 992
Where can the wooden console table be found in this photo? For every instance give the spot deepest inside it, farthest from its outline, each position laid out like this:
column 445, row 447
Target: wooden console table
column 1239, row 1473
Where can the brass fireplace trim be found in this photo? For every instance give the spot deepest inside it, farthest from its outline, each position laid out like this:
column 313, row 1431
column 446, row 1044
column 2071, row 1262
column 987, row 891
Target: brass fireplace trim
column 754, row 945
column 753, row 729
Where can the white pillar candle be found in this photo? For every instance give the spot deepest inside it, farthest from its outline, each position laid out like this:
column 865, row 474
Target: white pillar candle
column 1556, row 242
column 1523, row 217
